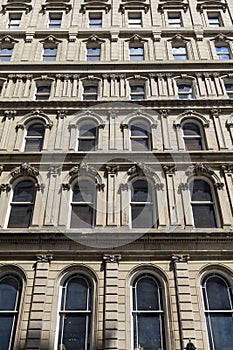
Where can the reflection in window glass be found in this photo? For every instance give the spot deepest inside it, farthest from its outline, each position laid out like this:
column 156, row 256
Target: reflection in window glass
column 148, row 313
column 139, row 138
column 223, row 52
column 6, row 53
column 179, row 53
column 192, row 137
column 87, row 138
column 75, row 314
column 34, row 138
column 142, row 211
column 217, row 296
column 174, row 19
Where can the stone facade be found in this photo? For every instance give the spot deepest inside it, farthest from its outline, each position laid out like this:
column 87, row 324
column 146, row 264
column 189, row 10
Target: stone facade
column 149, row 85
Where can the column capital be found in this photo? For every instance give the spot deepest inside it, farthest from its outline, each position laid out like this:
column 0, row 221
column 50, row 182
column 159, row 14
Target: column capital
column 180, row 258
column 111, row 258
column 44, row 258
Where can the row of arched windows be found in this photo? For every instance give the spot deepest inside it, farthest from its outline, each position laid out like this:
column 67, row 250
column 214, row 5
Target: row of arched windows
column 142, row 202
column 140, row 137
column 148, row 311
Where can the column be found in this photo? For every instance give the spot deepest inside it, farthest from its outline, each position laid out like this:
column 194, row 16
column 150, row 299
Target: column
column 112, row 130
column 73, row 137
column 165, row 129
column 8, row 119
column 39, row 205
column 219, row 88
column 125, row 130
column 162, row 205
column 100, row 201
column 114, row 47
column 111, row 173
column 101, row 143
column 124, row 188
column 28, row 81
column 10, row 86
column 228, row 174
column 4, row 200
column 20, row 130
column 52, row 199
column 153, row 136
column 46, row 136
column 173, row 206
column 183, row 294
column 64, row 205
column 122, row 85
column 35, row 338
column 218, row 129
column 187, row 211
column 105, row 85
column 111, row 264
column 229, row 125
column 154, row 91
column 74, row 91
column 226, row 210
column 201, row 85
column 58, row 85
column 61, row 115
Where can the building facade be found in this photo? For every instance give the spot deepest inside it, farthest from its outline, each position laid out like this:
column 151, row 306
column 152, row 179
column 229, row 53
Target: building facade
column 116, row 175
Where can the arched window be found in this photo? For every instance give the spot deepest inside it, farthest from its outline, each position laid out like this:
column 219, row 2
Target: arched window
column 142, row 204
column 87, row 138
column 202, row 204
column 148, row 314
column 83, row 204
column 10, row 293
column 217, row 297
column 34, row 138
column 75, row 316
column 139, row 137
column 22, row 204
column 192, row 136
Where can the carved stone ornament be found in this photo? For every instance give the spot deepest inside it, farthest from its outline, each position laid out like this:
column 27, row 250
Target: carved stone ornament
column 40, row 187
column 198, row 169
column 111, row 258
column 44, row 258
column 180, row 258
column 25, row 169
column 83, row 168
column 169, row 169
column 183, row 186
column 111, row 170
column 5, row 188
column 124, row 187
column 65, row 187
column 141, row 169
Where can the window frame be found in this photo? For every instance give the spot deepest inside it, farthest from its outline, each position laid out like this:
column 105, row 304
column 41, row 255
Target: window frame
column 207, row 311
column 26, row 137
column 136, row 56
column 91, row 295
column 11, row 18
column 134, row 21
column 92, row 56
column 95, row 138
column 133, row 95
column 48, row 56
column 147, row 137
column 6, row 55
column 94, row 17
column 162, row 311
column 190, row 93
column 16, row 312
column 46, row 95
column 229, row 92
column 213, row 203
column 13, row 203
column 179, row 23
column 86, row 95
column 91, row 204
column 221, row 55
column 178, row 54
column 201, row 137
column 151, row 204
column 210, row 22
column 59, row 21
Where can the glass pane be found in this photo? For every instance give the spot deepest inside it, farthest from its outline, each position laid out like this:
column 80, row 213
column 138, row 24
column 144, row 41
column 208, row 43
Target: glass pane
column 36, row 130
column 147, row 294
column 8, row 293
column 201, row 191
column 222, row 49
column 6, row 324
column 24, row 192
column 140, row 191
column 137, row 88
column 222, row 329
column 193, row 144
column 74, row 333
column 87, row 145
column 77, row 294
column 20, row 216
column 83, row 191
column 93, row 51
column 90, row 89
column 217, row 292
column 87, row 130
column 149, row 332
column 204, row 216
column 138, row 130
column 191, row 129
column 33, row 145
column 43, row 89
column 142, row 216
column 81, row 216
column 139, row 145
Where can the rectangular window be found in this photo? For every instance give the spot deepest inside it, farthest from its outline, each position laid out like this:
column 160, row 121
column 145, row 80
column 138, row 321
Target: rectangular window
column 95, row 20
column 43, row 91
column 223, row 52
column 137, row 91
column 49, row 54
column 135, row 19
column 229, row 89
column 185, row 91
column 55, row 19
column 90, row 92
column 179, row 53
column 214, row 19
column 14, row 20
column 136, row 53
column 6, row 53
column 93, row 53
column 174, row 19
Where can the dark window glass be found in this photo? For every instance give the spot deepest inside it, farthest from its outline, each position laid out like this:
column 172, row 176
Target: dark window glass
column 22, row 204
column 90, row 92
column 217, row 296
column 139, row 138
column 83, row 201
column 229, row 89
column 55, row 20
column 10, row 291
column 137, row 91
column 142, row 211
column 202, row 205
column 87, row 138
column 179, row 53
column 93, row 53
column 148, row 314
column 43, row 91
column 34, row 138
column 75, row 314
column 95, row 20
column 192, row 137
